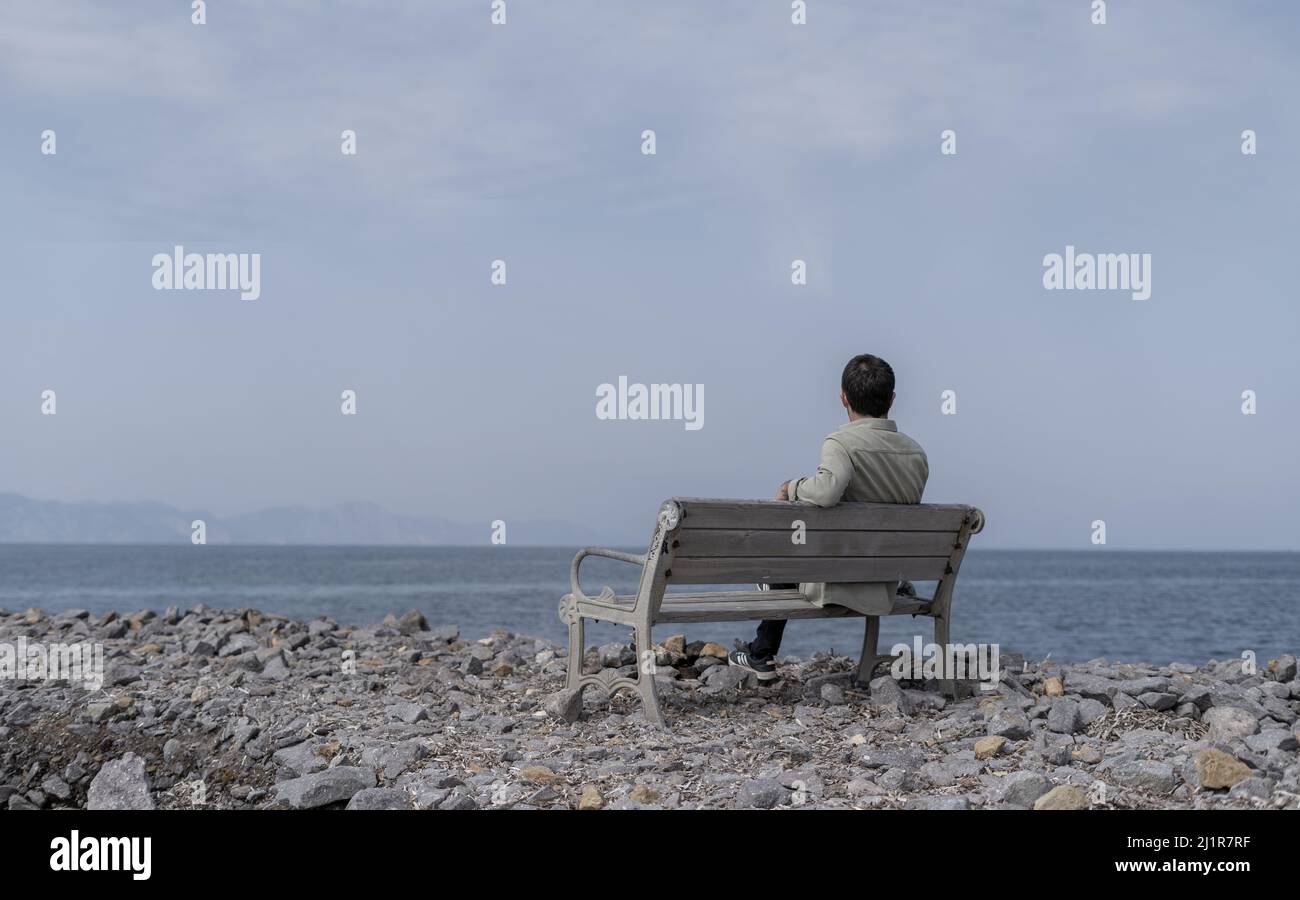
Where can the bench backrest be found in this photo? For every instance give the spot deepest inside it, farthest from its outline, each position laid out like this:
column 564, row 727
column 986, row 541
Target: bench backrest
column 742, row 541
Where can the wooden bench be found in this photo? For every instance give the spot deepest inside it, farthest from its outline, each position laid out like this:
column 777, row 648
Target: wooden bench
column 741, row 542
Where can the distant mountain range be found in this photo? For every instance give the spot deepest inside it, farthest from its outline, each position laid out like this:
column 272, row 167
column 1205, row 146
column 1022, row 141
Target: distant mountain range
column 24, row 520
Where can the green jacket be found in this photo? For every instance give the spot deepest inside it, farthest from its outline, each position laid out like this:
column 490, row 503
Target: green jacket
column 866, row 460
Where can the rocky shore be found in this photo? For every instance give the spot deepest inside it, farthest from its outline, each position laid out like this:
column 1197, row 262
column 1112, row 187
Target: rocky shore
column 240, row 709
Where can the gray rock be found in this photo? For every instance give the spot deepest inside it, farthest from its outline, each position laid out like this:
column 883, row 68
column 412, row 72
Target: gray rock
column 318, row 627
column 1136, row 687
column 1091, row 686
column 721, row 678
column 1277, row 689
column 412, row 621
column 1145, row 775
column 1010, row 724
column 1273, row 739
column 1090, row 711
column 862, row 787
column 119, row 674
column 944, row 802
column 445, row 634
column 240, row 643
column 886, row 691
column 1228, row 722
column 1253, row 788
column 1279, row 709
column 410, row 713
column 458, row 799
column 806, row 786
column 1022, row 788
column 394, row 760
column 300, row 759
column 760, row 793
column 1063, row 716
column 56, row 787
column 1122, row 701
column 925, row 699
column 1285, row 670
column 276, row 668
column 832, row 694
column 905, row 758
column 1158, row 700
column 324, row 788
column 895, row 779
column 379, row 798
column 1222, row 694
column 248, row 662
column 942, row 773
column 1199, row 696
column 565, row 705
column 121, row 784
column 429, row 797
column 613, row 656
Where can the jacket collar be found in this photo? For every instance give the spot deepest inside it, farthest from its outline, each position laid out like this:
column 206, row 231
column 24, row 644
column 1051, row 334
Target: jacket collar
column 878, row 424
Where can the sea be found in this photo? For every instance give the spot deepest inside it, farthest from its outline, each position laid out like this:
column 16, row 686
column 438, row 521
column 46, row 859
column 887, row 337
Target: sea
column 1069, row 606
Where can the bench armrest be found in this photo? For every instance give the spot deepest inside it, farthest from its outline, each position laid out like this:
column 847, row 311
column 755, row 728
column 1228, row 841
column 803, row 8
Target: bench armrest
column 606, row 593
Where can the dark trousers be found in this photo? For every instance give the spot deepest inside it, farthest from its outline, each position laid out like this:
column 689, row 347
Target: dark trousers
column 768, row 639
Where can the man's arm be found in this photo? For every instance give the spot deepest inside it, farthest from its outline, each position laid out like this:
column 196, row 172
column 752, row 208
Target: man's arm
column 828, row 485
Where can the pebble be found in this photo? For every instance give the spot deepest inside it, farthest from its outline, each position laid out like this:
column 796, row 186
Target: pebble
column 379, row 798
column 121, row 784
column 1217, row 770
column 324, row 788
column 1063, row 796
column 1228, row 722
column 760, row 793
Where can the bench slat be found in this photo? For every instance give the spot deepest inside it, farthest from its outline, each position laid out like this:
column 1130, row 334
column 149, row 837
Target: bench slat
column 766, row 569
column 743, row 612
column 736, row 606
column 848, row 516
column 778, row 542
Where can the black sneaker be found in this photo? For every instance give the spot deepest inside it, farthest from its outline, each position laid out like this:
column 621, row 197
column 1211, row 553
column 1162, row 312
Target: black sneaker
column 763, row 669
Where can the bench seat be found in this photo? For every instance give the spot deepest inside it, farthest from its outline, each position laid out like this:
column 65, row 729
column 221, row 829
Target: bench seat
column 739, row 606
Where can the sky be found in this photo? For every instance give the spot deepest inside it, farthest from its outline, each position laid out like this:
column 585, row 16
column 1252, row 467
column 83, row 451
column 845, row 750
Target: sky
column 774, row 142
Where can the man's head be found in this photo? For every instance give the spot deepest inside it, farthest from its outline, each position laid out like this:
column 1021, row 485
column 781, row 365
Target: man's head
column 867, row 387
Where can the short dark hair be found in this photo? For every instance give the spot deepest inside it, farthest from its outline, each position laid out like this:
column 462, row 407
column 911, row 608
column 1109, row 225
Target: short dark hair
column 868, row 383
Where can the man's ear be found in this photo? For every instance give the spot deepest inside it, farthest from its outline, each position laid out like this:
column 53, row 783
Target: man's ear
column 893, row 395
column 844, row 400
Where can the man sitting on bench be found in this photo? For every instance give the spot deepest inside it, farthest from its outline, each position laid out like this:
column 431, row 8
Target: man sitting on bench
column 868, row 459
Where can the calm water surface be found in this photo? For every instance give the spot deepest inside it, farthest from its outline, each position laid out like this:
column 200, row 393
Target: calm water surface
column 1155, row 607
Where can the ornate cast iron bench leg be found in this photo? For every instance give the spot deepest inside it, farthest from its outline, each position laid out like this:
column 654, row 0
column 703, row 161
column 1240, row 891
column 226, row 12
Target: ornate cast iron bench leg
column 606, row 680
column 645, row 677
column 577, row 649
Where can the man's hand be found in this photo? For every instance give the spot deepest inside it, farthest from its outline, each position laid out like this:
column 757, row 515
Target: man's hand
column 783, row 493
